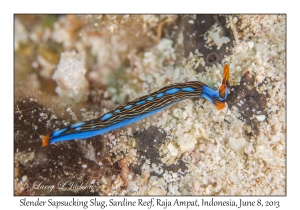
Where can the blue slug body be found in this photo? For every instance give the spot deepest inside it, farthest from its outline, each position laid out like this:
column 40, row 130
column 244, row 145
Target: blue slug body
column 88, row 134
column 141, row 108
column 210, row 93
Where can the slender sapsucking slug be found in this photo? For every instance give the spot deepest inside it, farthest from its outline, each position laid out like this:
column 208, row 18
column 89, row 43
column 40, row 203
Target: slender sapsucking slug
column 142, row 107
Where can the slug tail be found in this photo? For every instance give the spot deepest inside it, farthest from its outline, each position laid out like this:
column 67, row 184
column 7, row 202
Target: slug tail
column 46, row 140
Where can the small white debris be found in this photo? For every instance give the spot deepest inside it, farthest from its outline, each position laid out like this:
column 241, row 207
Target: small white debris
column 260, row 47
column 267, row 154
column 235, row 108
column 191, row 21
column 174, row 176
column 204, row 133
column 237, row 144
column 259, row 78
column 34, row 64
column 177, row 113
column 235, row 19
column 215, row 36
column 153, row 178
column 187, row 142
column 105, row 180
column 249, row 149
column 172, row 149
column 261, row 117
column 84, row 166
column 92, row 182
column 202, row 147
column 91, row 152
column 250, row 44
column 24, row 178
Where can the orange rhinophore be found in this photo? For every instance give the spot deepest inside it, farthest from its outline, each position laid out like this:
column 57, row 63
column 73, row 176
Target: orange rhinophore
column 222, row 90
column 226, row 75
column 224, row 87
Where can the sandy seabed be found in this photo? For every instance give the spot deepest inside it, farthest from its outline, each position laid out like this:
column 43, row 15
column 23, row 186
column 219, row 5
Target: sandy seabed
column 89, row 64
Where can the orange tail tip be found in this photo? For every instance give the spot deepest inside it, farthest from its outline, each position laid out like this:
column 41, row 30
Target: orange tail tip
column 220, row 105
column 46, row 140
column 226, row 75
